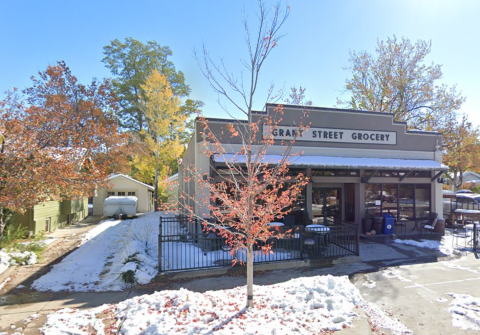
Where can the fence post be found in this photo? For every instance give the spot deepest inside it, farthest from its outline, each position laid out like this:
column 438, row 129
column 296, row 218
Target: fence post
column 160, row 245
column 475, row 236
column 302, row 246
column 357, row 240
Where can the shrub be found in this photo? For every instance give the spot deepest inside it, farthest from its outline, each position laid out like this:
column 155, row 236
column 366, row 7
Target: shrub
column 128, row 277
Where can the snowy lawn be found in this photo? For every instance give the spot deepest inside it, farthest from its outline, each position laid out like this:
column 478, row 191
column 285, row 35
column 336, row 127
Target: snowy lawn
column 108, row 250
column 304, row 305
column 11, row 258
column 20, row 253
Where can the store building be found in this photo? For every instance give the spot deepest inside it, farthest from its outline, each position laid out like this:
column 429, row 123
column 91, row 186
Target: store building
column 361, row 163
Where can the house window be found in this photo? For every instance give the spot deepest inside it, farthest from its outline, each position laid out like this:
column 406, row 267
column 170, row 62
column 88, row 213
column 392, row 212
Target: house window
column 47, row 224
column 131, row 193
column 120, row 193
column 110, row 194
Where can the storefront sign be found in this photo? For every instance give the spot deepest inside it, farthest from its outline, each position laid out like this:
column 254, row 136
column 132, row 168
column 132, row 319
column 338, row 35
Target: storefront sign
column 330, row 135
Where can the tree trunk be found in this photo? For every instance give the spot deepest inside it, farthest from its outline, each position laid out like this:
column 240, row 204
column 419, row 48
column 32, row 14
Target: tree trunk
column 155, row 194
column 250, row 276
column 2, row 223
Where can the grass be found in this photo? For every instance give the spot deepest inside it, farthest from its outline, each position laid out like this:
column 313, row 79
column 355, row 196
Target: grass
column 17, row 239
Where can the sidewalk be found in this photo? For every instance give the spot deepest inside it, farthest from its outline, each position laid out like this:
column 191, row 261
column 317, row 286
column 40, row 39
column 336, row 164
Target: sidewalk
column 17, row 302
column 20, row 303
column 59, row 243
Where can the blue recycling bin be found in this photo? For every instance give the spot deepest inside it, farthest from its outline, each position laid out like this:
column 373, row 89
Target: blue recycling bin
column 388, row 224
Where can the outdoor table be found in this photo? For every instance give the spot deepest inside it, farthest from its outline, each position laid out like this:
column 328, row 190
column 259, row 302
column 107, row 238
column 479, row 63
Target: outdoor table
column 471, row 214
column 416, row 221
column 276, row 224
column 321, row 231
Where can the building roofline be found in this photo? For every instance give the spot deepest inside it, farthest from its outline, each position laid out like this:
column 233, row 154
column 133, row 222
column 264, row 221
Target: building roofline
column 331, row 109
column 130, row 178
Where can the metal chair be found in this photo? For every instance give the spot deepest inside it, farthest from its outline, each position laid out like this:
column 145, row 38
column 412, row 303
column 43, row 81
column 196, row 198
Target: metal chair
column 429, row 225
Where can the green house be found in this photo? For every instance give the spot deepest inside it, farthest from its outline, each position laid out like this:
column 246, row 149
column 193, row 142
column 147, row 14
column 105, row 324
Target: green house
column 51, row 215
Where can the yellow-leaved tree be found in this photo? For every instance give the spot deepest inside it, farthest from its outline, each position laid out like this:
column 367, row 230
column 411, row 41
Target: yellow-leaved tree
column 462, row 148
column 166, row 122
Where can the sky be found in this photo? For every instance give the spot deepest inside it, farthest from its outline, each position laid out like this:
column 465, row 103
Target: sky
column 313, row 53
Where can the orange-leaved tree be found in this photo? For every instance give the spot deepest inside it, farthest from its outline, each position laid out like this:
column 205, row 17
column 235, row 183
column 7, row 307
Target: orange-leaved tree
column 59, row 140
column 462, row 148
column 254, row 188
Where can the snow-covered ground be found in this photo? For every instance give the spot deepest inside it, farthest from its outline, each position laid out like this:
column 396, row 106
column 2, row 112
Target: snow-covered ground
column 465, row 311
column 302, row 306
column 115, row 247
column 108, row 250
column 445, row 246
column 10, row 258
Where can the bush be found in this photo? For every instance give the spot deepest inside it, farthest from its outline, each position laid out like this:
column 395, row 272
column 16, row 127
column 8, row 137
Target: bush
column 17, row 239
column 128, row 277
column 12, row 235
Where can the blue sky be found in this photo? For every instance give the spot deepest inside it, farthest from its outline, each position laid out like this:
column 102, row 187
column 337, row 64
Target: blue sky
column 319, row 35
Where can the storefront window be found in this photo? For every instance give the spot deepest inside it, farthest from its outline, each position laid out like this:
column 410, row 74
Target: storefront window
column 335, row 173
column 422, row 201
column 402, row 201
column 405, row 201
column 326, row 205
column 373, row 199
column 390, row 199
column 396, row 174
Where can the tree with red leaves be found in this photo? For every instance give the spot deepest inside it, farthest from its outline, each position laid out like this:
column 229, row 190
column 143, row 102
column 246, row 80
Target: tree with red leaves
column 253, row 191
column 58, row 141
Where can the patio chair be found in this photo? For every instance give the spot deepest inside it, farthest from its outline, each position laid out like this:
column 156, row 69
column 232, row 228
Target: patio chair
column 429, row 225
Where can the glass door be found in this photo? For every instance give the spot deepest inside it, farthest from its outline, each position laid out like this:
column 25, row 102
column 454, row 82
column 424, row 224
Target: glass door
column 326, row 206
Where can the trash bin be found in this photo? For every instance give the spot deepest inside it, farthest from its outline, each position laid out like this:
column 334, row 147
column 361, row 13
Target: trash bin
column 388, row 224
column 440, row 226
column 377, row 224
column 366, row 225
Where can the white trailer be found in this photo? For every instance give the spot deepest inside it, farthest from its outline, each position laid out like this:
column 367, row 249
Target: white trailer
column 118, row 206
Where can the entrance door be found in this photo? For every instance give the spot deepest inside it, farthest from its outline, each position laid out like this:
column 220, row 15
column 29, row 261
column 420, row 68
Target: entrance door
column 326, row 206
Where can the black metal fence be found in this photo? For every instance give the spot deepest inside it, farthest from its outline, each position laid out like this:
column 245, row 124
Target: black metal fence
column 183, row 245
column 466, row 237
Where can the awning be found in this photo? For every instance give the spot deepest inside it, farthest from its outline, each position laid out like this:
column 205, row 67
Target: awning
column 343, row 162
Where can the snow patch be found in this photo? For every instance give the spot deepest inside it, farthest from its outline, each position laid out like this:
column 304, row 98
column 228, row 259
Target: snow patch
column 379, row 319
column 444, row 246
column 465, row 311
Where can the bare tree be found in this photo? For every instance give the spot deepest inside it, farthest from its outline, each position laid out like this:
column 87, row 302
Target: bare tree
column 297, row 96
column 253, row 190
column 395, row 79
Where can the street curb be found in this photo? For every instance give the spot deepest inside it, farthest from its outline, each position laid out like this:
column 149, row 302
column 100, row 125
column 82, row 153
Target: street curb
column 241, row 270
